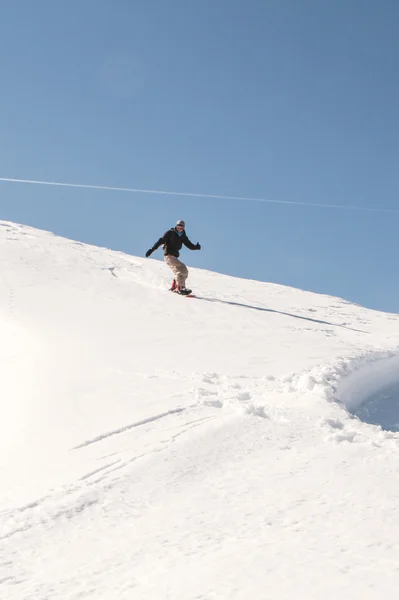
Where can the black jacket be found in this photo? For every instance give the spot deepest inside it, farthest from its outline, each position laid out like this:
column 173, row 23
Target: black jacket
column 172, row 242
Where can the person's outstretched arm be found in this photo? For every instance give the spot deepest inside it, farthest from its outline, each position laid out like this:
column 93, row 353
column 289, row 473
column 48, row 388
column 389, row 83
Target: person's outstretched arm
column 162, row 240
column 190, row 245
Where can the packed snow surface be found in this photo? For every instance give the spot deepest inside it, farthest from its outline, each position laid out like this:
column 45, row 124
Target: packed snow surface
column 159, row 447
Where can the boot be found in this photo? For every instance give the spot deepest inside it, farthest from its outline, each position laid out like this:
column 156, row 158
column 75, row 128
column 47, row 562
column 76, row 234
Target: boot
column 181, row 289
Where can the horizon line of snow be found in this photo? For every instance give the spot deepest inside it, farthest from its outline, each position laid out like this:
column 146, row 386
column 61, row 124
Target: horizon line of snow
column 196, row 195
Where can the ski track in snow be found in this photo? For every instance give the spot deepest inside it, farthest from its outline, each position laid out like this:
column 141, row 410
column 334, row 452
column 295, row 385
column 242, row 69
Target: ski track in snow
column 220, row 391
column 109, row 434
column 71, row 501
column 251, row 403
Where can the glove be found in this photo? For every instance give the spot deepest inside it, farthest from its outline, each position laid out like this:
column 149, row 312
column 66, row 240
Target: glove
column 198, row 246
column 149, row 252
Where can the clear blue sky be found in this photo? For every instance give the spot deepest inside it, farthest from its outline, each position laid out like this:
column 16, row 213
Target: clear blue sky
column 282, row 99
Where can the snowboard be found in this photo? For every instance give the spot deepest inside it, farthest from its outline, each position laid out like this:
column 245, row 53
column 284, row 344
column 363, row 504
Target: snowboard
column 190, row 295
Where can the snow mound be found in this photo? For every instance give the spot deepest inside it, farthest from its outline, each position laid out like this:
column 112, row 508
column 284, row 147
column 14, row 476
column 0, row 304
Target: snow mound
column 364, row 376
column 371, row 390
column 366, row 385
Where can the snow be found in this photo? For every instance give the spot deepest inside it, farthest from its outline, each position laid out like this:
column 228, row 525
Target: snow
column 160, row 447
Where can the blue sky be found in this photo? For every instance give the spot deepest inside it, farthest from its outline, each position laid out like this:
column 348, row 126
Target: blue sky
column 279, row 99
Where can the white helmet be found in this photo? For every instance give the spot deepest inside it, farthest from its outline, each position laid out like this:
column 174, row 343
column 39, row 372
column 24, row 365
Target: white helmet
column 180, row 222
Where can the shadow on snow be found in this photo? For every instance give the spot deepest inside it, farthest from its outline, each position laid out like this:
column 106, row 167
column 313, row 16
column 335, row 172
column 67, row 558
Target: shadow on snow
column 382, row 408
column 271, row 310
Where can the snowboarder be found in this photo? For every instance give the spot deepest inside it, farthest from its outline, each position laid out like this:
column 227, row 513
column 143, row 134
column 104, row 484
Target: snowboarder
column 172, row 242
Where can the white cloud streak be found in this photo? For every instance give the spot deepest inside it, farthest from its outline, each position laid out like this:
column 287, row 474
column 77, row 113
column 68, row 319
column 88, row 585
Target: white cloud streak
column 197, row 195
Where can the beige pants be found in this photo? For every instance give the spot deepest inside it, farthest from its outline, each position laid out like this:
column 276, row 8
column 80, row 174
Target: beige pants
column 179, row 269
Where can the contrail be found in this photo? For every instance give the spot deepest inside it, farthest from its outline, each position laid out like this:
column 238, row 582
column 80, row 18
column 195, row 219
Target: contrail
column 191, row 194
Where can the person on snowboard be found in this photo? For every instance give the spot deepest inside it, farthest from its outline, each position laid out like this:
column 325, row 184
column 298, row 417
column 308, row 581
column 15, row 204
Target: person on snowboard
column 172, row 242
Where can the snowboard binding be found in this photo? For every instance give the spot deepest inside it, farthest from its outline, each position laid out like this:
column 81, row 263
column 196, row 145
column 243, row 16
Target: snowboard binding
column 179, row 289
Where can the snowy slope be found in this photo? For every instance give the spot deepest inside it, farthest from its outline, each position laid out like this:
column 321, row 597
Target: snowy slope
column 159, row 447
